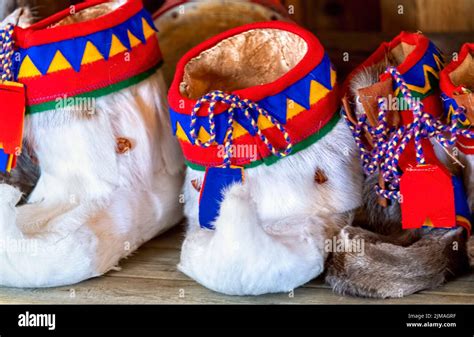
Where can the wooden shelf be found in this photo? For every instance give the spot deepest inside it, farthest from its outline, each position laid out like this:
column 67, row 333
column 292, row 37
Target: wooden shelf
column 150, row 277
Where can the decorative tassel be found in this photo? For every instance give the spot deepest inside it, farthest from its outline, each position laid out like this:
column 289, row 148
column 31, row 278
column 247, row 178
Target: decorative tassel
column 219, row 178
column 12, row 105
column 427, row 197
column 216, row 181
column 428, row 193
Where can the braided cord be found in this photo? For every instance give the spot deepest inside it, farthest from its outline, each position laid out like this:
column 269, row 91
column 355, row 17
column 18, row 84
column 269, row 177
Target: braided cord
column 235, row 104
column 390, row 142
column 6, row 53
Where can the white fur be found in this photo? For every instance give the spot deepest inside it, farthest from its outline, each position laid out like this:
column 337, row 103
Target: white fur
column 271, row 230
column 92, row 206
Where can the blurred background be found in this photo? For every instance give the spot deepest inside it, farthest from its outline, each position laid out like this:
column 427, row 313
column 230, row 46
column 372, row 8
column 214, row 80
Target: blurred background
column 350, row 30
column 389, row 16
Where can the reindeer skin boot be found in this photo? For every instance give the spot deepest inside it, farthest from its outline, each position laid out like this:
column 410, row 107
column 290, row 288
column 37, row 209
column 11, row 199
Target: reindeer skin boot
column 97, row 122
column 271, row 170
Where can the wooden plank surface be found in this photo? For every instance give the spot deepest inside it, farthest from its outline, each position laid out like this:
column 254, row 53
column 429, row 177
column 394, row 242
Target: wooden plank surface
column 427, row 15
column 349, row 49
column 150, row 276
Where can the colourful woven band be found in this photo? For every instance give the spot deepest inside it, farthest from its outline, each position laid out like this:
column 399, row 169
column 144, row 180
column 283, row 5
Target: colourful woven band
column 453, row 91
column 267, row 122
column 296, row 147
column 401, row 150
column 58, row 103
column 110, row 53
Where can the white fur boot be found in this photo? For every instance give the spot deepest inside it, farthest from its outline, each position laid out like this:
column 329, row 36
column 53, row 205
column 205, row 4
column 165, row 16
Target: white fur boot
column 260, row 213
column 110, row 168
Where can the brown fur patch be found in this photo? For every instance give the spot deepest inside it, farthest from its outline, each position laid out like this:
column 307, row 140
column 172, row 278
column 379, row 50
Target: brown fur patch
column 394, row 262
column 388, row 269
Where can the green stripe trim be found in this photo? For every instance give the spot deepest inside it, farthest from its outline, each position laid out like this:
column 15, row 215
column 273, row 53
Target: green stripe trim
column 51, row 105
column 296, row 148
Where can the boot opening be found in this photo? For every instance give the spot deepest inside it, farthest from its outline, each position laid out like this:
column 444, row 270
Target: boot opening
column 252, row 58
column 397, row 55
column 90, row 13
column 370, row 75
column 464, row 73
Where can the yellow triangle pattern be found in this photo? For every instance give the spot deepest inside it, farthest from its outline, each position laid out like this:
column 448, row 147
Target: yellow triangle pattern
column 263, row 123
column 292, row 108
column 116, row 46
column 428, row 223
column 134, row 41
column 203, row 135
column 28, row 69
column 239, row 130
column 91, row 54
column 333, row 78
column 59, row 63
column 147, row 30
column 317, row 92
column 180, row 133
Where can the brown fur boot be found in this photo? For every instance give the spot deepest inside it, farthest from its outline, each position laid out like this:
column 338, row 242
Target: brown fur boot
column 394, row 262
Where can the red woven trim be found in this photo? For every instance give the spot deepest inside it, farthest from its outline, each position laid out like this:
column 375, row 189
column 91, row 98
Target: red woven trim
column 92, row 76
column 420, row 42
column 447, row 86
column 44, row 32
column 431, row 105
column 300, row 127
column 312, row 58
